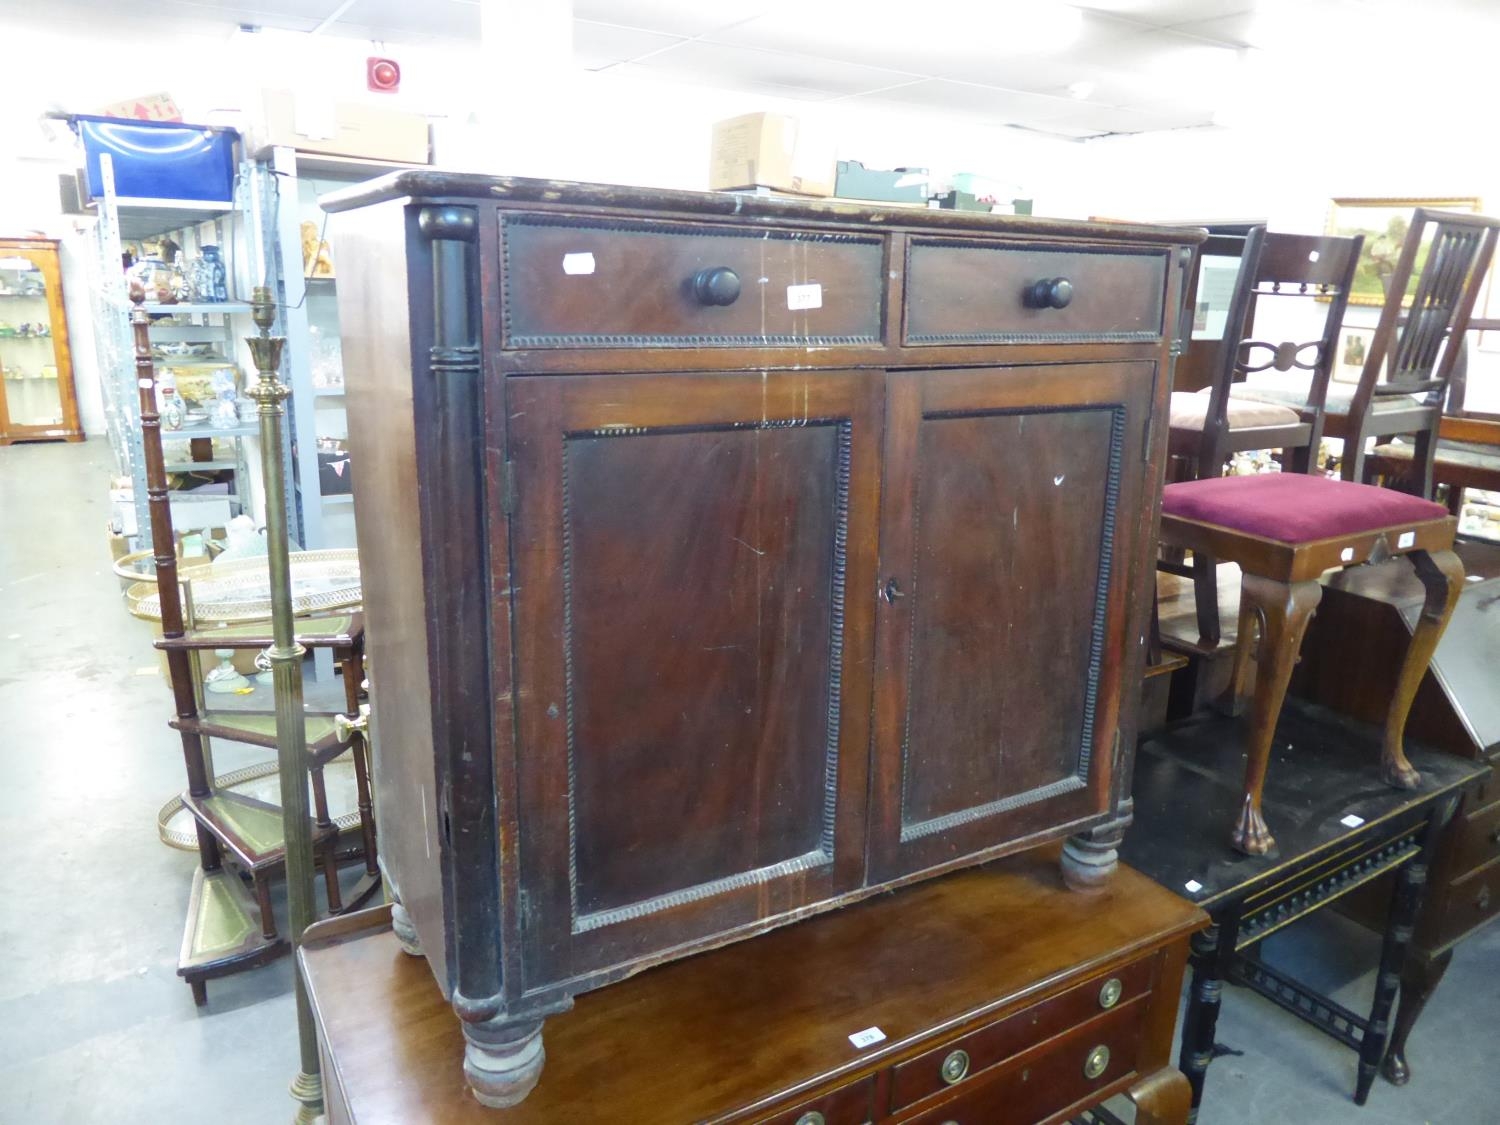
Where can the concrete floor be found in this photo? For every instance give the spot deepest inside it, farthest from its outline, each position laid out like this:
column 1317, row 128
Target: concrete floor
column 96, row 1027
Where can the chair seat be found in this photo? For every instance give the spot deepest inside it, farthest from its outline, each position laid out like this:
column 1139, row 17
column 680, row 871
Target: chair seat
column 1470, row 454
column 1189, row 411
column 1292, row 390
column 1294, row 507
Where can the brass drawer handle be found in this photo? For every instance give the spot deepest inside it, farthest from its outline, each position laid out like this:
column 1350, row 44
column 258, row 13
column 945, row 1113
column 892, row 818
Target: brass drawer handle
column 1097, row 1062
column 811, row 1117
column 1110, row 994
column 955, row 1067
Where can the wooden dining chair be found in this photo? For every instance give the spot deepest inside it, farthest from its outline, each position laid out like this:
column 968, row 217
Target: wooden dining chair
column 1407, row 367
column 1280, row 275
column 1467, row 453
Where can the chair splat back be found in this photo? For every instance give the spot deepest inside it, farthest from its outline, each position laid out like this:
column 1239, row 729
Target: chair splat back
column 1410, row 345
column 1274, row 267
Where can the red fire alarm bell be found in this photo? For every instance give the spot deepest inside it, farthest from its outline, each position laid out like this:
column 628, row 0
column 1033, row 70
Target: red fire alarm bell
column 383, row 75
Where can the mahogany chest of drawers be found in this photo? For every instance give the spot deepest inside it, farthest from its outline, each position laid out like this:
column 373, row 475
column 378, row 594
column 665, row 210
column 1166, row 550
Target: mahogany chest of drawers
column 731, row 559
column 987, row 997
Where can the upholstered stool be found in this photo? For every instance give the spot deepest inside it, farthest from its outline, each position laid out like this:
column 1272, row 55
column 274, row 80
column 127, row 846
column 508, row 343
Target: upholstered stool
column 1284, row 530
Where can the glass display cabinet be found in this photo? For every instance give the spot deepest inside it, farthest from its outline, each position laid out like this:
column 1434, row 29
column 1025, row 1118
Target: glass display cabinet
column 37, row 398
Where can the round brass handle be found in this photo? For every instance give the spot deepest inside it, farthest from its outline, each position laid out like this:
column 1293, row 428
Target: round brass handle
column 1050, row 293
column 955, row 1067
column 811, row 1117
column 1097, row 1062
column 717, row 286
column 1110, row 994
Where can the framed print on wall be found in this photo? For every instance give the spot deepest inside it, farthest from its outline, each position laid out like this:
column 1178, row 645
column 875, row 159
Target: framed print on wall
column 1353, row 347
column 1384, row 223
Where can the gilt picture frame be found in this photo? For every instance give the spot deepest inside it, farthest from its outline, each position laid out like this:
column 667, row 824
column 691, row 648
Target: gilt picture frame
column 1384, row 223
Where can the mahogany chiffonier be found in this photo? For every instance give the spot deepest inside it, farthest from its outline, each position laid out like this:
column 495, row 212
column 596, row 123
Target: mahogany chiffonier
column 731, row 559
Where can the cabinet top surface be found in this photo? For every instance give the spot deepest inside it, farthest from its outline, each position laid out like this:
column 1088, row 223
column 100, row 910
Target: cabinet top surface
column 432, row 186
column 702, row 1036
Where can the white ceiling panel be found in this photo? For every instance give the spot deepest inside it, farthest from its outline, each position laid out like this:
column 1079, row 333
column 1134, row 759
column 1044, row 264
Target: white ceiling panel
column 600, row 45
column 719, row 65
column 402, row 21
column 1169, row 13
column 999, row 107
column 675, row 17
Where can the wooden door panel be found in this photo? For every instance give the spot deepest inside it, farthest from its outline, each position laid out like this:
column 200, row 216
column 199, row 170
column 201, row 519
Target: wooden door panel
column 1005, row 511
column 693, row 732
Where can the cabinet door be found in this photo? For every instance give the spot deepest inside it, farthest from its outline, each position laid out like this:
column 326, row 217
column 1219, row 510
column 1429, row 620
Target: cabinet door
column 694, row 563
column 1009, row 539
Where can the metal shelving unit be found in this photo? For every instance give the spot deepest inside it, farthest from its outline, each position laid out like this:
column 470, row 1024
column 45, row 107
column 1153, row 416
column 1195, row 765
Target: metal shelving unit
column 244, row 227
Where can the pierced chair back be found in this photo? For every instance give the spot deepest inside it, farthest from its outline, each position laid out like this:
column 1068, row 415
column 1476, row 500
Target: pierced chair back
column 1273, row 268
column 1410, row 345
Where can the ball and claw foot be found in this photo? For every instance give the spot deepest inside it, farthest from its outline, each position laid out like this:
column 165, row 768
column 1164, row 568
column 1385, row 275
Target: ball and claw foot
column 406, row 933
column 503, row 1062
column 1251, row 835
column 1398, row 773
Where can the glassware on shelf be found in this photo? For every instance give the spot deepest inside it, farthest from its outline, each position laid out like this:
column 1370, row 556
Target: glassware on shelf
column 213, row 283
column 325, row 356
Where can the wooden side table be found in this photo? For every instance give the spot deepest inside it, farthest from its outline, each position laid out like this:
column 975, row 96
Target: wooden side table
column 1337, row 828
column 991, row 996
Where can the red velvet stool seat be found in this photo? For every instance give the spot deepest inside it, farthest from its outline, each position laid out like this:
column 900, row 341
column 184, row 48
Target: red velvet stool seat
column 1284, row 530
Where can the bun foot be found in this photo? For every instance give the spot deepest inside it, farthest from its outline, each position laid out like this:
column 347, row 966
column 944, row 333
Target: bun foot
column 1394, row 1068
column 503, row 1061
column 1251, row 835
column 1089, row 860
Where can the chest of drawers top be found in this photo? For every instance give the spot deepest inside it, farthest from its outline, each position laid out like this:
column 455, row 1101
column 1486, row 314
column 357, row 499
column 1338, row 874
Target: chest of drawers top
column 587, row 266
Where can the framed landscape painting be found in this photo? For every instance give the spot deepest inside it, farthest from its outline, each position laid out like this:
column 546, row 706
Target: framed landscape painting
column 1384, row 223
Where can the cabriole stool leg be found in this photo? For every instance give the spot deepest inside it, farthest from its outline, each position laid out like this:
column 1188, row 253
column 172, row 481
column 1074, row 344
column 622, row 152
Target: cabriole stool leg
column 1442, row 577
column 1284, row 611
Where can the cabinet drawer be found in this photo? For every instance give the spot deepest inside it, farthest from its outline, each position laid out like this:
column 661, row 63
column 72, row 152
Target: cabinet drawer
column 1062, row 1072
column 1476, row 838
column 848, row 1105
column 578, row 283
column 1470, row 901
column 965, row 1059
column 974, row 293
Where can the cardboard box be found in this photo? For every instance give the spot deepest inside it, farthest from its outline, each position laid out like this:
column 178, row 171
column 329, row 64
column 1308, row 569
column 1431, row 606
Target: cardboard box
column 339, row 128
column 771, row 150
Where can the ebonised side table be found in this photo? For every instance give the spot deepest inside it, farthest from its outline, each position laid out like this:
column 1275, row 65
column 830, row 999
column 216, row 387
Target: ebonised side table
column 1337, row 828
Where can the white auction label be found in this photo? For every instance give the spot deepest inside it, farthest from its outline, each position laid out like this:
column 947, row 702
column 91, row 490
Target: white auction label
column 867, row 1037
column 1192, row 886
column 809, row 296
column 579, row 263
column 1352, row 821
column 1405, row 540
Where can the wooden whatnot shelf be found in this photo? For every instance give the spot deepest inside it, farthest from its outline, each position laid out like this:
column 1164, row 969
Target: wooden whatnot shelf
column 991, row 990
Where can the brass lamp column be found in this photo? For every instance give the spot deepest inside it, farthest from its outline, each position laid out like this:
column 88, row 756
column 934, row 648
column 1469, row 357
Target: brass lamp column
column 286, row 669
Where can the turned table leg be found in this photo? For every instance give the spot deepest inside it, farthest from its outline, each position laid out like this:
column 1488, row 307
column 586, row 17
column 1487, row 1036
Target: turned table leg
column 1202, row 1017
column 1410, row 884
column 401, row 923
column 503, row 1060
column 1283, row 611
column 1163, row 1097
column 1442, row 577
column 1419, row 980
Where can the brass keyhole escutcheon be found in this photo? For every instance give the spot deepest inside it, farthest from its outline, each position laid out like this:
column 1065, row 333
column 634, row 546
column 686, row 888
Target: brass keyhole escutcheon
column 1097, row 1062
column 811, row 1117
column 1110, row 994
column 955, row 1066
